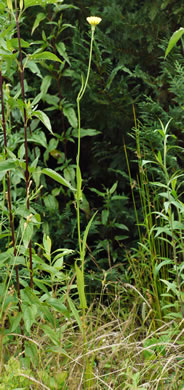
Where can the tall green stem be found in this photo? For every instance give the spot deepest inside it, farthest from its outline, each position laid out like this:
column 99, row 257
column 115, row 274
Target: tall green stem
column 79, row 179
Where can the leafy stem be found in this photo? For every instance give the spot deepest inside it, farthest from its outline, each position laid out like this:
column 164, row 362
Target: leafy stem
column 25, row 132
column 9, row 189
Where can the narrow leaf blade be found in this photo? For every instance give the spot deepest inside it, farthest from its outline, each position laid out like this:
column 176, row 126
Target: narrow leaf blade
column 86, row 234
column 57, row 177
column 174, row 39
column 80, row 287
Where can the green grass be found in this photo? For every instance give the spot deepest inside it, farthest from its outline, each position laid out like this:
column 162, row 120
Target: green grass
column 123, row 351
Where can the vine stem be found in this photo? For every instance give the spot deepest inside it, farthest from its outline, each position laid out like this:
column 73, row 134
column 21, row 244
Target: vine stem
column 25, row 133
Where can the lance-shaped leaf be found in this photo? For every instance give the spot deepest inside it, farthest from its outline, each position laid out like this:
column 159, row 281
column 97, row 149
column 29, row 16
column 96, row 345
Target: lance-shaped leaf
column 80, row 287
column 85, row 133
column 86, row 235
column 57, row 177
column 69, row 112
column 75, row 313
column 43, row 118
column 174, row 39
column 41, row 16
column 41, row 3
column 44, row 55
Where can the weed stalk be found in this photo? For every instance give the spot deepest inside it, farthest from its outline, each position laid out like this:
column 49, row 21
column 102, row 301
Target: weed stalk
column 21, row 70
column 80, row 273
column 9, row 190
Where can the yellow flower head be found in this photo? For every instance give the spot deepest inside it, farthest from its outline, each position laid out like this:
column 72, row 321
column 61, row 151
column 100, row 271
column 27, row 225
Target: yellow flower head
column 93, row 21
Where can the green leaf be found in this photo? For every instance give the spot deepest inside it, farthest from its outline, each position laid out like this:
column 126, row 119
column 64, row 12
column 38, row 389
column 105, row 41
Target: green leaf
column 7, row 54
column 27, row 231
column 119, row 67
column 159, row 266
column 69, row 174
column 62, row 50
column 105, row 216
column 174, row 39
column 39, row 138
column 41, row 16
column 98, row 192
column 52, row 334
column 80, row 287
column 161, row 230
column 119, row 238
column 84, row 206
column 75, row 313
column 2, row 7
column 29, row 316
column 67, row 6
column 144, row 162
column 44, row 55
column 63, row 252
column 48, row 268
column 159, row 157
column 57, row 177
column 14, row 44
column 7, row 165
column 47, row 243
column 119, row 197
column 31, row 65
column 85, row 133
column 9, row 4
column 43, row 118
column 58, row 265
column 121, row 226
column 58, row 305
column 154, row 183
column 171, row 286
column 113, row 188
column 86, row 234
column 51, row 203
column 29, row 297
column 69, row 112
column 16, row 322
column 79, row 184
column 4, row 256
column 46, row 82
column 41, row 3
column 21, row 151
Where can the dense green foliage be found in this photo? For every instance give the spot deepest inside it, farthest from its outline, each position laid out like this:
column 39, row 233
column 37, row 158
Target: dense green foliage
column 91, row 253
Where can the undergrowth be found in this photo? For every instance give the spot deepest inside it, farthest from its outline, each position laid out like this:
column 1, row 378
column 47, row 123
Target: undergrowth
column 93, row 312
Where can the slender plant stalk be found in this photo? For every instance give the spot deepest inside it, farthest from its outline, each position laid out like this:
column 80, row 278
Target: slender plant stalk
column 148, row 221
column 142, row 181
column 25, row 133
column 79, row 97
column 79, row 184
column 9, row 190
column 10, row 207
column 174, row 239
column 87, row 363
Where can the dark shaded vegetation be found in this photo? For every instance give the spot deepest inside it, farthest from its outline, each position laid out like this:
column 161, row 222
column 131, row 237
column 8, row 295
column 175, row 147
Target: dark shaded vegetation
column 95, row 283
